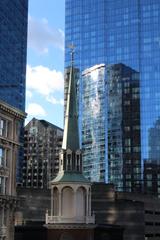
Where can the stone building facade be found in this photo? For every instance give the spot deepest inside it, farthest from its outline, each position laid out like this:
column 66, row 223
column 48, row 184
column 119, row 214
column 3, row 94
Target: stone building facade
column 10, row 119
column 42, row 143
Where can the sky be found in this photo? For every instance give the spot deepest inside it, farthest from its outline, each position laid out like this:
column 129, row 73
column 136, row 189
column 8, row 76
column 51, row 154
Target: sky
column 45, row 61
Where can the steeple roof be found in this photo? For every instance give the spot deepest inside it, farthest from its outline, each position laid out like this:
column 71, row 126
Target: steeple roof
column 71, row 134
column 70, row 177
column 71, row 163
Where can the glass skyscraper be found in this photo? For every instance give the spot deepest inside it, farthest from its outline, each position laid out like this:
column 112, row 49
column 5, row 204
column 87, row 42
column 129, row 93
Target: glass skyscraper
column 116, row 32
column 124, row 164
column 13, row 50
column 93, row 123
column 13, row 47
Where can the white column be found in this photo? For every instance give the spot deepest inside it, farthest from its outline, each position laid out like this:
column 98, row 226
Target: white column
column 60, row 202
column 46, row 216
column 74, row 200
column 52, row 204
column 87, row 203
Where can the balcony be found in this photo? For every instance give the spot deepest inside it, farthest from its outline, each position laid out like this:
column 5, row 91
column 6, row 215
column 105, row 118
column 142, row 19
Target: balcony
column 62, row 219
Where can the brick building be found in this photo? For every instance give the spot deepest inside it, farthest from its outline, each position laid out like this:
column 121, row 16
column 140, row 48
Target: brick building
column 42, row 142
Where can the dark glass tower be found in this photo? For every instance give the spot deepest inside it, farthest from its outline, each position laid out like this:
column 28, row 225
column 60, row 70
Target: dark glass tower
column 13, row 47
column 124, row 127
column 121, row 32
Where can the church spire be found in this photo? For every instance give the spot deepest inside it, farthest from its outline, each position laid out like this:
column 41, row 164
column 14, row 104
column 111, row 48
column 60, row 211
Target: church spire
column 71, row 134
column 70, row 164
column 70, row 190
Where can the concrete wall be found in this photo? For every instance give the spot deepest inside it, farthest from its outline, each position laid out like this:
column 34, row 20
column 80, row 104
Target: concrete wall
column 125, row 213
column 33, row 205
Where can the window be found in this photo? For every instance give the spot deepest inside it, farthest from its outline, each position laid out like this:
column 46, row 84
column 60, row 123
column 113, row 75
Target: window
column 127, row 149
column 148, row 212
column 157, row 224
column 149, row 235
column 128, row 184
column 157, row 213
column 1, row 157
column 126, row 103
column 149, row 223
column 136, row 149
column 1, row 127
column 149, row 184
column 128, row 176
column 4, row 126
column 78, row 162
column 136, row 127
column 127, row 142
column 69, row 162
column 149, row 176
column 127, row 128
column 2, row 185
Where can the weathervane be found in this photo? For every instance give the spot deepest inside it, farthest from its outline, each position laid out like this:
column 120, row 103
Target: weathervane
column 72, row 47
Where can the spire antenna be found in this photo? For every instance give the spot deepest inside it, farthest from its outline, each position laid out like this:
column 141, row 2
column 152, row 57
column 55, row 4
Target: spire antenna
column 72, row 51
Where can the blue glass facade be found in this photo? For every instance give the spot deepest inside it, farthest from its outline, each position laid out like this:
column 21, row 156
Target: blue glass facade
column 85, row 27
column 93, row 123
column 124, row 152
column 13, row 51
column 13, row 47
column 122, row 32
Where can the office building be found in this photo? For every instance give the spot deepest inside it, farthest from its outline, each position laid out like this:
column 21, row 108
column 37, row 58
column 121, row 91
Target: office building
column 13, row 51
column 93, row 124
column 10, row 119
column 123, row 118
column 13, row 47
column 152, row 164
column 120, row 32
column 117, row 85
column 42, row 143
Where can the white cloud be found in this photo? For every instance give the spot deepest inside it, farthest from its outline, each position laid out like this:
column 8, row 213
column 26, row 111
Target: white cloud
column 41, row 35
column 44, row 80
column 26, row 121
column 54, row 101
column 35, row 109
column 28, row 94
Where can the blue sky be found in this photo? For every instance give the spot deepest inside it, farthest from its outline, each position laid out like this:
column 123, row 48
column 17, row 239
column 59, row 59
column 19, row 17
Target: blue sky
column 45, row 61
